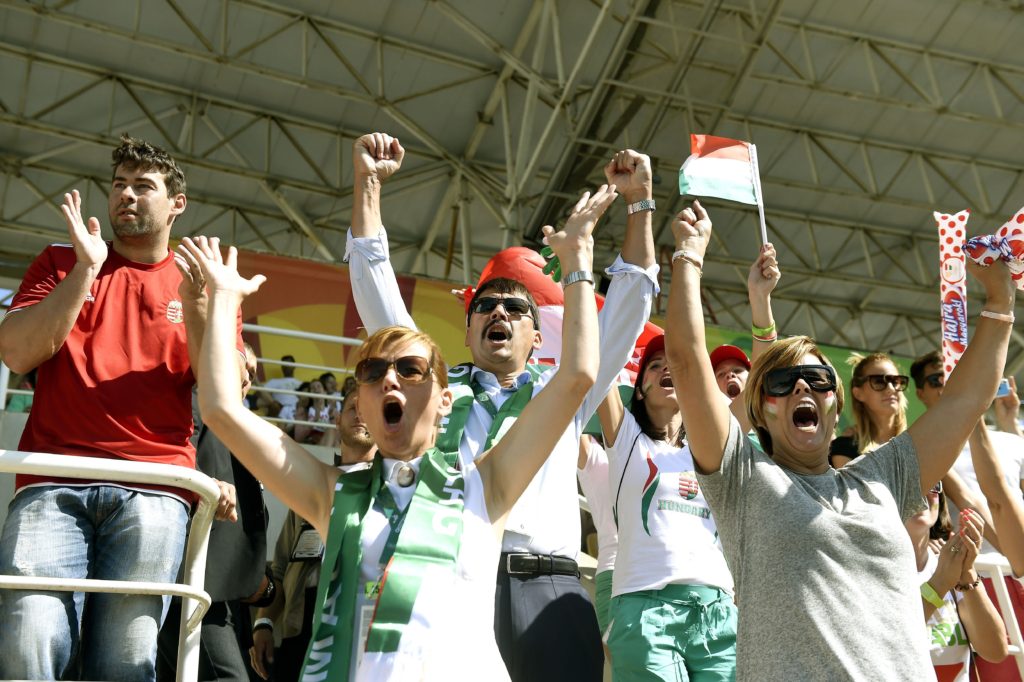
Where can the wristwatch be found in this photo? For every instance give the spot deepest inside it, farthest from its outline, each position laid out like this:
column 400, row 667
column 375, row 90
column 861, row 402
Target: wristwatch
column 642, row 205
column 577, row 276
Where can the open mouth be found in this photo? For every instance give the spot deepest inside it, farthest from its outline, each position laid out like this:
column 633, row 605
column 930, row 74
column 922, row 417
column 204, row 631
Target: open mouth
column 666, row 381
column 392, row 412
column 498, row 333
column 733, row 390
column 805, row 416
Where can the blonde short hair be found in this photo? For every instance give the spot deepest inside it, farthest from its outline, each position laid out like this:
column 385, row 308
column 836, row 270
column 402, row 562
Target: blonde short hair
column 784, row 353
column 383, row 340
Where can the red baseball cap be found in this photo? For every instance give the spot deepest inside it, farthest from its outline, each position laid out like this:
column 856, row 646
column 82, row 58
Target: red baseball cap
column 727, row 352
column 653, row 346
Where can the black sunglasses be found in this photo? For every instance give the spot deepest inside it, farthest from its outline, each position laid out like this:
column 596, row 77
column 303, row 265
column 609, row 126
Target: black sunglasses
column 779, row 383
column 879, row 381
column 412, row 368
column 513, row 306
column 937, row 380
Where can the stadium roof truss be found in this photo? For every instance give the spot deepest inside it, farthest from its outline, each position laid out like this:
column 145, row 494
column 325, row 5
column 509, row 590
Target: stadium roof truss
column 868, row 116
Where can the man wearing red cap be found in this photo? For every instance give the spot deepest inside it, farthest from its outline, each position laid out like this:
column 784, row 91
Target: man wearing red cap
column 544, row 622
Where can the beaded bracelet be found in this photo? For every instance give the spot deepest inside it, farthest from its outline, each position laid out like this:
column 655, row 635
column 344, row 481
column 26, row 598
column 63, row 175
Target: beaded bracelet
column 968, row 587
column 691, row 258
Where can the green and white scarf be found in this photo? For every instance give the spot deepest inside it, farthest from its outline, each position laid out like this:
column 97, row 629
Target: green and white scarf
column 429, row 532
column 467, row 390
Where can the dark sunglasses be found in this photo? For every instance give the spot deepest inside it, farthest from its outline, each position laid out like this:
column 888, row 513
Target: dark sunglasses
column 513, row 306
column 937, row 380
column 779, row 383
column 937, row 488
column 878, row 382
column 412, row 368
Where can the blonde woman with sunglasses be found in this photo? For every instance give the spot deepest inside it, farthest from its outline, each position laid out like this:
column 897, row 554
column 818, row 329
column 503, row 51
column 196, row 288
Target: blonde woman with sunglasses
column 823, row 570
column 407, row 586
column 879, row 406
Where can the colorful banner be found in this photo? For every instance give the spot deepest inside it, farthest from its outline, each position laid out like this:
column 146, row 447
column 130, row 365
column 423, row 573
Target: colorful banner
column 953, row 291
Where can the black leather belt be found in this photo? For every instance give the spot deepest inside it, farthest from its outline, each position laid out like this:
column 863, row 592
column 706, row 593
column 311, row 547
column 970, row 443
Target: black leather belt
column 515, row 563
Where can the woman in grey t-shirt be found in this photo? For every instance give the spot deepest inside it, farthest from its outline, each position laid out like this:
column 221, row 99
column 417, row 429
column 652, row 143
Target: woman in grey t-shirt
column 825, row 578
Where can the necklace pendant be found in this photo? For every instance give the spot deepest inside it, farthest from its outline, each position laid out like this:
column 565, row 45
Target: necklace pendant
column 405, row 476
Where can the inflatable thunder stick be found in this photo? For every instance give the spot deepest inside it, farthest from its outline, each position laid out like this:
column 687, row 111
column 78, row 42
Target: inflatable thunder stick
column 953, row 271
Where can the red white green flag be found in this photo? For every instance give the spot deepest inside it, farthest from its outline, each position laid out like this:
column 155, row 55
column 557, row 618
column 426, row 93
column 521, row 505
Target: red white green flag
column 723, row 168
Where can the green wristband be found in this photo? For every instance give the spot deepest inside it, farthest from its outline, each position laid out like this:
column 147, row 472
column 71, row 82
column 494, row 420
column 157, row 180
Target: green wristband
column 930, row 595
column 762, row 331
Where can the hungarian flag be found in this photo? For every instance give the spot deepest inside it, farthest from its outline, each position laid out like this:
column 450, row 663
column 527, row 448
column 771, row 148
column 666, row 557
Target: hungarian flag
column 526, row 266
column 720, row 167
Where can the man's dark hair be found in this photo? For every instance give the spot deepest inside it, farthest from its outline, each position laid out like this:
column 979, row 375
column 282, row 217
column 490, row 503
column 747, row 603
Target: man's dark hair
column 135, row 154
column 323, row 377
column 506, row 287
column 287, row 358
column 921, row 364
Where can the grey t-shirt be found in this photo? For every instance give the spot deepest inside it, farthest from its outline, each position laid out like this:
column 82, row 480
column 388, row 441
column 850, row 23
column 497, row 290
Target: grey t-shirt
column 826, row 583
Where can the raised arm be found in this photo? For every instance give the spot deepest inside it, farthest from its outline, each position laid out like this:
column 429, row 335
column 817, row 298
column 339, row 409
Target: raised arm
column 1006, row 506
column 940, row 432
column 32, row 335
column 375, row 158
column 762, row 279
column 705, row 412
column 300, row 480
column 631, row 174
column 509, row 466
column 1007, row 411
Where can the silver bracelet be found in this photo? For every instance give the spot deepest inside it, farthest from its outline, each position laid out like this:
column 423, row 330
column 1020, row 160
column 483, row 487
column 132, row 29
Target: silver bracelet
column 1002, row 317
column 577, row 276
column 642, row 205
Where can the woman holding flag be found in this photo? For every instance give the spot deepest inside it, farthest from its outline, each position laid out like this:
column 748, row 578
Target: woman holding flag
column 672, row 615
column 819, row 555
column 407, row 586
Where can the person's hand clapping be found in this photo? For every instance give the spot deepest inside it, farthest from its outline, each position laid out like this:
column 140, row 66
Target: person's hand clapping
column 574, row 245
column 972, row 527
column 220, row 274
column 377, row 155
column 90, row 249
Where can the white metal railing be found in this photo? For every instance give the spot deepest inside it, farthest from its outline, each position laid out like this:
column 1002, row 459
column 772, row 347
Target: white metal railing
column 195, row 601
column 997, row 567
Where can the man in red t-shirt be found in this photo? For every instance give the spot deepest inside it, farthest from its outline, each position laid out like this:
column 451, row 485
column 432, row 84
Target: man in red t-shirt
column 110, row 327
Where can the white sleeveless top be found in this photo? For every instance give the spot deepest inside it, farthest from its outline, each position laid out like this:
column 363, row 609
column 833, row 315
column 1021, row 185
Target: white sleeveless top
column 450, row 635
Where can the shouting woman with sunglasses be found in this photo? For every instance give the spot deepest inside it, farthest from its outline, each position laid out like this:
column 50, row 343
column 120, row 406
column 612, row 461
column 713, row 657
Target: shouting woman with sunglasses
column 823, row 570
column 412, row 544
column 669, row 567
column 879, row 407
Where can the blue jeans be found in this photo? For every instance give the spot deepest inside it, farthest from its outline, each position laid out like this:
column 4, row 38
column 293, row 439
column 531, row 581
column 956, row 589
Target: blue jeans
column 101, row 532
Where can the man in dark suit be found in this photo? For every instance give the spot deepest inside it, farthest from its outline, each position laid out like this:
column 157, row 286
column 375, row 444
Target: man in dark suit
column 236, row 575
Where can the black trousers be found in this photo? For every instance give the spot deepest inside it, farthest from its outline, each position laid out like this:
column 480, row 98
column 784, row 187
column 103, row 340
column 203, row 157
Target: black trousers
column 547, row 629
column 220, row 652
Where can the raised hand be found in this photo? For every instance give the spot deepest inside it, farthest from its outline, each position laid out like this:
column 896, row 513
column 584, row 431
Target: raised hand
column 972, row 527
column 90, row 249
column 203, row 255
column 999, row 288
column 691, row 229
column 631, row 174
column 577, row 236
column 377, row 155
column 764, row 273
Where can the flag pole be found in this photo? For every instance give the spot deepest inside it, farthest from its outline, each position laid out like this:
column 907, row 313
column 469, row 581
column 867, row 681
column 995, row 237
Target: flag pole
column 757, row 191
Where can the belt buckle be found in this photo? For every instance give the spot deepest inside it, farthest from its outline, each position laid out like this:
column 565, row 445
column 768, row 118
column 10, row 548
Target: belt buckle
column 508, row 563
